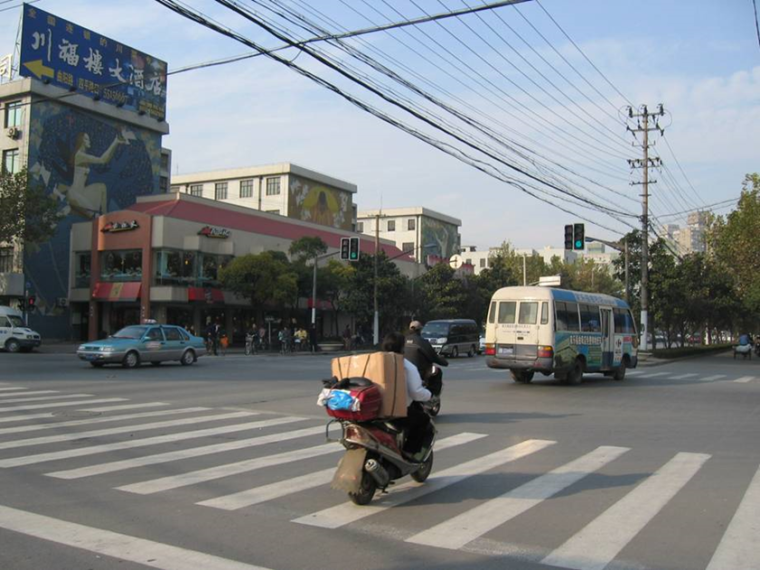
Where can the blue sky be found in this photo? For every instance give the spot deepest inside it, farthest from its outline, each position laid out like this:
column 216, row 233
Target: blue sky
column 701, row 59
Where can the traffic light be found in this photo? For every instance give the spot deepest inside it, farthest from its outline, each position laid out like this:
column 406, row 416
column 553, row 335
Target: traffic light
column 31, row 303
column 569, row 236
column 345, row 246
column 353, row 249
column 579, row 237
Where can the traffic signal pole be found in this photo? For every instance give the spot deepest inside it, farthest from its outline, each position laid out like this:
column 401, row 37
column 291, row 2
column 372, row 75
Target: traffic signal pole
column 314, row 290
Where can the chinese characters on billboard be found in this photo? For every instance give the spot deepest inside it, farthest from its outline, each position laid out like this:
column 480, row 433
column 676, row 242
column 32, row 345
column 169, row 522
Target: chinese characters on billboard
column 58, row 52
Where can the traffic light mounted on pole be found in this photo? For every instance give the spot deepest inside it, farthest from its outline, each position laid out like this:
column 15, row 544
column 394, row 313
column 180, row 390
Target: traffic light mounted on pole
column 345, row 247
column 569, row 236
column 353, row 249
column 579, row 238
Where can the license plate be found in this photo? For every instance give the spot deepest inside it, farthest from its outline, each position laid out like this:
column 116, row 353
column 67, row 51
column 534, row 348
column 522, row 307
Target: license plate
column 506, row 350
column 90, row 357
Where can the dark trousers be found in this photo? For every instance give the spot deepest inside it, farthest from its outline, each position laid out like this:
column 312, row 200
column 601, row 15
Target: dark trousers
column 416, row 425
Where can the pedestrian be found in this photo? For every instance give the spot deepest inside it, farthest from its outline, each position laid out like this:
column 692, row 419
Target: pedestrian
column 313, row 338
column 262, row 337
column 347, row 338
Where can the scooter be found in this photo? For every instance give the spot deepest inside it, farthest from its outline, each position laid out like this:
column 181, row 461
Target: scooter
column 434, row 383
column 374, row 458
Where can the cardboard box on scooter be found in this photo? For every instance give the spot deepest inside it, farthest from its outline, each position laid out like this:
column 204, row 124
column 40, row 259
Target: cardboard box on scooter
column 385, row 369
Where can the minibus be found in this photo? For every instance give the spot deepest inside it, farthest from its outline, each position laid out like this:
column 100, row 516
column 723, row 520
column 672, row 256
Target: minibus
column 560, row 332
column 15, row 336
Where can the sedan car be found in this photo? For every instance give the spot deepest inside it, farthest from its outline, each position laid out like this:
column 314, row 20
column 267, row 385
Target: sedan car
column 144, row 343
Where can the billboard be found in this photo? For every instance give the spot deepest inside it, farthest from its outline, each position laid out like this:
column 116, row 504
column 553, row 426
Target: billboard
column 314, row 202
column 61, row 53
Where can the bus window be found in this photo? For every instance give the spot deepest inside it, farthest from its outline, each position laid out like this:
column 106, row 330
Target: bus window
column 570, row 317
column 492, row 313
column 544, row 313
column 624, row 321
column 528, row 313
column 507, row 312
column 589, row 318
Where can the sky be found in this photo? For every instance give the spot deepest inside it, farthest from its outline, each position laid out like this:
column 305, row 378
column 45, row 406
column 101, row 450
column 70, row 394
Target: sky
column 548, row 102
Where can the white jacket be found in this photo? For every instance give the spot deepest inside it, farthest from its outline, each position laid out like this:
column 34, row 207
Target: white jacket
column 415, row 391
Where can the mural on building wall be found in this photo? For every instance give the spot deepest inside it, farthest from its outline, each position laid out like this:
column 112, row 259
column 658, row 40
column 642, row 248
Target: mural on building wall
column 91, row 165
column 314, row 202
column 443, row 235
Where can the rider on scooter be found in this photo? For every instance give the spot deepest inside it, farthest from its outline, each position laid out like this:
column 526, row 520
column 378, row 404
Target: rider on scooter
column 419, row 352
column 417, row 422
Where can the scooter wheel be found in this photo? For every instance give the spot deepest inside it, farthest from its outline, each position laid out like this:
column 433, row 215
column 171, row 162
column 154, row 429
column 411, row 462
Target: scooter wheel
column 424, row 472
column 366, row 490
column 435, row 409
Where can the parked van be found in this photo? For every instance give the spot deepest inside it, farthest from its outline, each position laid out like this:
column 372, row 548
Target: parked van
column 453, row 337
column 565, row 333
column 14, row 335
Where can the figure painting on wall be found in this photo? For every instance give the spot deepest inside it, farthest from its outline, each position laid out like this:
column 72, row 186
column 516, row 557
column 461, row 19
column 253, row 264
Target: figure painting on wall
column 322, row 206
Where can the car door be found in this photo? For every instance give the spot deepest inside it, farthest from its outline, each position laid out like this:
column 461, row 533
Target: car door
column 5, row 330
column 153, row 345
column 175, row 344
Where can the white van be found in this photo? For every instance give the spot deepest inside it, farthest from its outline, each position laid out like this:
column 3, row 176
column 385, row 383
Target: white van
column 565, row 333
column 14, row 335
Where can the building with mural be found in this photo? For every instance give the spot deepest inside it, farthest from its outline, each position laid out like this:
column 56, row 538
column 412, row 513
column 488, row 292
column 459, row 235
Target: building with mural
column 85, row 115
column 284, row 189
column 422, row 232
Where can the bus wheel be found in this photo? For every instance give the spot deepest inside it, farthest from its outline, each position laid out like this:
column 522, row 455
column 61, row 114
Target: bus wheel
column 620, row 372
column 521, row 376
column 575, row 376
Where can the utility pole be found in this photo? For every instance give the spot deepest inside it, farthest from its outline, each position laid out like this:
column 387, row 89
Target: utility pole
column 644, row 117
column 376, row 321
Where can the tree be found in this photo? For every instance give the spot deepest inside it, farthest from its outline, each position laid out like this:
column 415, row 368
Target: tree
column 333, row 283
column 27, row 214
column 445, row 295
column 262, row 278
column 308, row 247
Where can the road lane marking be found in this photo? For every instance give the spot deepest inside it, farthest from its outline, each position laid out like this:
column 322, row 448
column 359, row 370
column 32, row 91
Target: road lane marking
column 466, row 527
column 712, row 378
column 220, row 471
column 745, row 379
column 60, row 404
column 44, row 440
column 121, row 546
column 23, row 417
column 34, row 393
column 107, row 447
column 12, row 389
column 345, row 513
column 43, row 398
column 635, row 372
column 279, row 489
column 113, row 466
column 654, row 374
column 99, row 420
column 682, row 376
column 124, row 407
column 739, row 548
column 597, row 544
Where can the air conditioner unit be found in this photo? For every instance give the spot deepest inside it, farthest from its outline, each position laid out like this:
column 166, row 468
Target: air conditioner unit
column 14, row 132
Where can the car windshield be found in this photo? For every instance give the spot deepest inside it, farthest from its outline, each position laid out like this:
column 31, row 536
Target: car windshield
column 435, row 330
column 130, row 332
column 16, row 321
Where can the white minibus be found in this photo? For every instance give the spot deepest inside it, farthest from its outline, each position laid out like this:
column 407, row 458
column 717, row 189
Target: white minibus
column 15, row 336
column 560, row 332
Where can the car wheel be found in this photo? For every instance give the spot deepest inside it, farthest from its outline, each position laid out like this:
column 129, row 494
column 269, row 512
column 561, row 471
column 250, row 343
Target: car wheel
column 131, row 360
column 471, row 352
column 575, row 376
column 188, row 358
column 12, row 345
column 620, row 372
column 521, row 376
column 454, row 352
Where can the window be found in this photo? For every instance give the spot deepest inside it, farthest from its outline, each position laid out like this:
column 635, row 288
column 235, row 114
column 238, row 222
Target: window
column 164, row 161
column 408, row 247
column 492, row 313
column 83, row 261
column 590, row 318
column 246, row 188
column 123, row 265
column 410, row 224
column 175, row 188
column 360, row 227
column 220, row 191
column 163, row 184
column 273, row 186
column 623, row 321
column 11, row 161
column 544, row 313
column 482, row 263
column 567, row 316
column 6, row 260
column 507, row 311
column 468, row 261
column 196, row 190
column 175, row 268
column 154, row 334
column 210, row 264
column 13, row 113
column 172, row 333
column 391, row 225
column 528, row 313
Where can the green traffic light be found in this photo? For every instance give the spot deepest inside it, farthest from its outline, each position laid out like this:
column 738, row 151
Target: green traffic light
column 578, row 244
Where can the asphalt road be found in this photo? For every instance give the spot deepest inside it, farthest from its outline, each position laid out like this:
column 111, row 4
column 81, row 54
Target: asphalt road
column 222, row 466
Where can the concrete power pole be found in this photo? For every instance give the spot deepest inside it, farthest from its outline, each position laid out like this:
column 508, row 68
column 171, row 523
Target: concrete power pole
column 643, row 117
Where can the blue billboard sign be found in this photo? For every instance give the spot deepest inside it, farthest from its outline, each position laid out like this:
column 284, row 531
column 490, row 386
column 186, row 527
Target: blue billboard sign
column 61, row 53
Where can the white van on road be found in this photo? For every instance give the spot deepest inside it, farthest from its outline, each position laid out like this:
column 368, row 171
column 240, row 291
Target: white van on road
column 15, row 336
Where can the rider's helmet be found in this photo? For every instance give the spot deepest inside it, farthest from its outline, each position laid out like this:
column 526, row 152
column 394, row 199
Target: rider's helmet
column 415, row 326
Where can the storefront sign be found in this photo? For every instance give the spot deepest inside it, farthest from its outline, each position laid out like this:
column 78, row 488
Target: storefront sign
column 115, row 227
column 212, row 232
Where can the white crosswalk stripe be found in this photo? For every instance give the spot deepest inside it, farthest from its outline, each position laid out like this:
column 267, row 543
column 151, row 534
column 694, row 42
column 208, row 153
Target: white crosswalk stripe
column 34, row 393
column 683, row 376
column 122, row 429
column 124, row 407
column 12, row 389
column 60, row 404
column 43, row 398
column 654, row 374
column 336, row 517
column 265, row 493
column 740, row 548
column 745, row 379
column 596, row 545
column 458, row 531
column 712, row 378
column 25, row 417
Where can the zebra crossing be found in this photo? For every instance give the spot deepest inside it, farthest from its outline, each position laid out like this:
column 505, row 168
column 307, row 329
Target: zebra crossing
column 41, row 442
column 691, row 377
